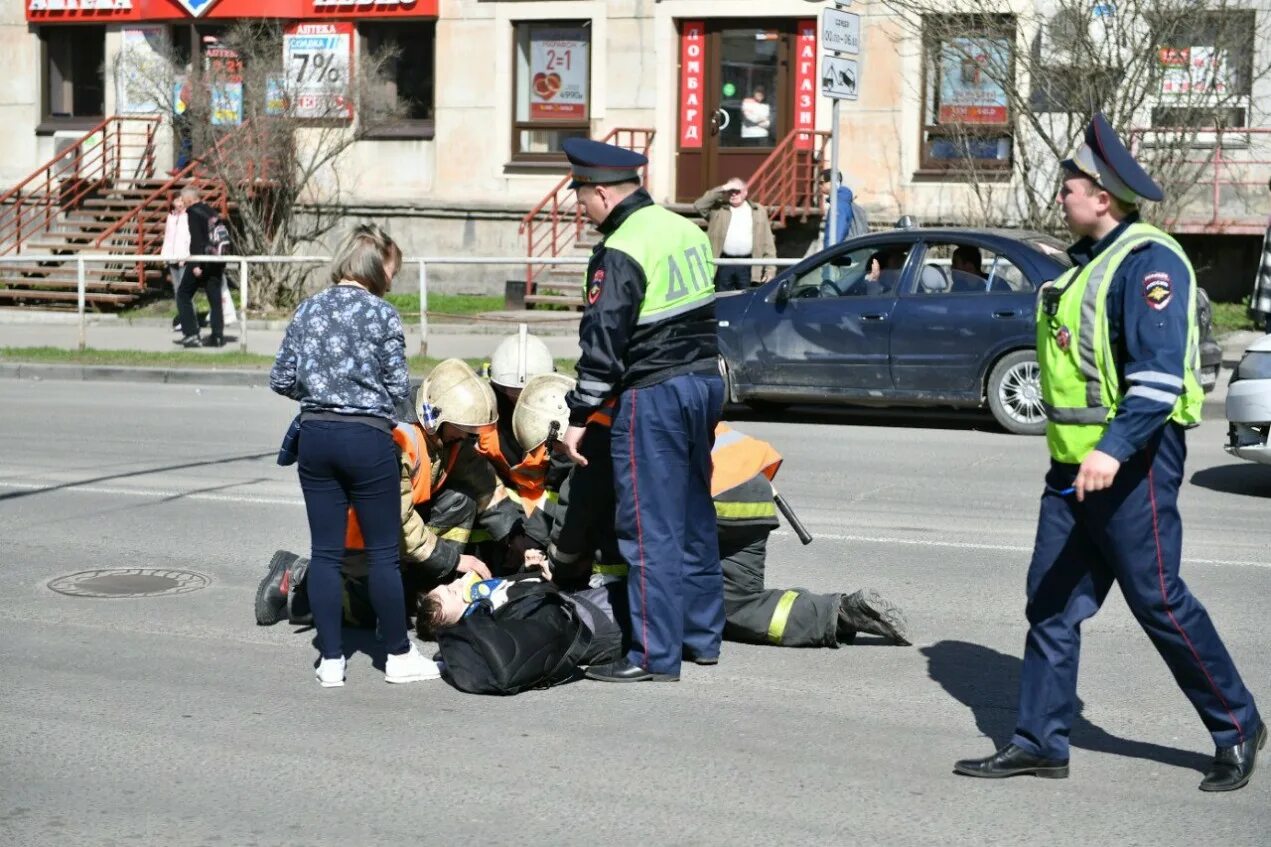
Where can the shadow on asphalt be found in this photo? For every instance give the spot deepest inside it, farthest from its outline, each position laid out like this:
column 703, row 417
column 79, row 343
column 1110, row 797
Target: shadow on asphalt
column 967, row 420
column 987, row 682
column 13, row 495
column 1248, row 478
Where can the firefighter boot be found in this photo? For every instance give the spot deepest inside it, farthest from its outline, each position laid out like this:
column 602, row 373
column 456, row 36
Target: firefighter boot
column 277, row 595
column 865, row 611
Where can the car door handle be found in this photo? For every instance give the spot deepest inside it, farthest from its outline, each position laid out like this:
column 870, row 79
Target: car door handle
column 1005, row 313
column 874, row 316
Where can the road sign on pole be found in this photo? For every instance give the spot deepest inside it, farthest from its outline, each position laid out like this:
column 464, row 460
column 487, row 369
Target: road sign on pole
column 841, row 31
column 838, row 77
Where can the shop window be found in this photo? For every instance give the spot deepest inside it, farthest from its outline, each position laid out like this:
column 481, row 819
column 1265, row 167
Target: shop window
column 407, row 78
column 74, row 73
column 968, row 67
column 552, row 88
column 1204, row 71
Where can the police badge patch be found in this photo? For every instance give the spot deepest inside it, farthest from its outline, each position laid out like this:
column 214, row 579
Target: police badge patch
column 1157, row 290
column 1063, row 337
column 593, row 287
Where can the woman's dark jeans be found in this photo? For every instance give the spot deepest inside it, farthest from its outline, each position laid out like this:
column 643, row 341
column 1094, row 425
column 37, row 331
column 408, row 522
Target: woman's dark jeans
column 352, row 464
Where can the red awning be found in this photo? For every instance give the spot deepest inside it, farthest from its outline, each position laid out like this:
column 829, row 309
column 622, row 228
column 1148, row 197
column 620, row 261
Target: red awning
column 108, row 11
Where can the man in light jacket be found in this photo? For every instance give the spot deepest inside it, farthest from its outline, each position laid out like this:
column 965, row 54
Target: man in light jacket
column 738, row 228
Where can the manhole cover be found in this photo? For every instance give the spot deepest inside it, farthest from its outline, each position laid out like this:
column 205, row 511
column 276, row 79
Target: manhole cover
column 129, row 582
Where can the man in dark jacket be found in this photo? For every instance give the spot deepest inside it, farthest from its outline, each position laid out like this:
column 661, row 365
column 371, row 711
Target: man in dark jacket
column 647, row 338
column 205, row 275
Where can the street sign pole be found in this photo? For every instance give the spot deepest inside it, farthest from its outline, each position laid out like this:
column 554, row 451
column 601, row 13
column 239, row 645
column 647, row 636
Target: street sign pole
column 840, row 34
column 831, row 226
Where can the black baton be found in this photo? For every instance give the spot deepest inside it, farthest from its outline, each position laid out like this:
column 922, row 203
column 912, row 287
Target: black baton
column 795, row 524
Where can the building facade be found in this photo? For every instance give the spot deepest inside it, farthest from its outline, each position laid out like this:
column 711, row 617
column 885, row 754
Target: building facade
column 492, row 87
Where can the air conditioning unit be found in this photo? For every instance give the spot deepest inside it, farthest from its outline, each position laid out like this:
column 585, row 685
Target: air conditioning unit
column 65, row 138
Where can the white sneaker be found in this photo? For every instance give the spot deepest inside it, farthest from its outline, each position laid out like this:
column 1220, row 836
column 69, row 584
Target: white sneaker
column 410, row 666
column 330, row 673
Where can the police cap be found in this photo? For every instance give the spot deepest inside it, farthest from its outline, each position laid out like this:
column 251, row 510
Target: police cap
column 596, row 163
column 1104, row 159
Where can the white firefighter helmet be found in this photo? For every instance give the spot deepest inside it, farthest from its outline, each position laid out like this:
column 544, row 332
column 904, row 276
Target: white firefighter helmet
column 519, row 357
column 541, row 404
column 453, row 393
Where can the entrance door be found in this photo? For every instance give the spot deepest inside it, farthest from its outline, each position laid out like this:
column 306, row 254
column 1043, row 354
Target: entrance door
column 747, row 103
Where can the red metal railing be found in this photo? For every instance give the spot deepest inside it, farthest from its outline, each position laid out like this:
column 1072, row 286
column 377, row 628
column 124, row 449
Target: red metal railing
column 1232, row 167
column 141, row 229
column 786, row 182
column 557, row 223
column 33, row 206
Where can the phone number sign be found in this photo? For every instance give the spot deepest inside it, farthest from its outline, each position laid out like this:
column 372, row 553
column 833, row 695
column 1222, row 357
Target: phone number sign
column 317, row 58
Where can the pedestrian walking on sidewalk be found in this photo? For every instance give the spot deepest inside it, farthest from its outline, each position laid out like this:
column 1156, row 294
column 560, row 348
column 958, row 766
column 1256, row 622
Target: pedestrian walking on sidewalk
column 206, row 275
column 344, row 359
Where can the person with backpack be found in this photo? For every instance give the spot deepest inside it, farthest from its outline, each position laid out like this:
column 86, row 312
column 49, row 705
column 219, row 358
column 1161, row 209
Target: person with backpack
column 206, row 227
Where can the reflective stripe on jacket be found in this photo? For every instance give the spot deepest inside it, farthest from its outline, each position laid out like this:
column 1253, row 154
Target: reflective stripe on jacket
column 1081, row 386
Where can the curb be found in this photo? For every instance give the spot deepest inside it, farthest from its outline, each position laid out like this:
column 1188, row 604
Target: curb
column 116, row 373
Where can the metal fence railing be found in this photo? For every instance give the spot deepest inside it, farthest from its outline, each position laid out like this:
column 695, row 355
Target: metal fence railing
column 245, row 263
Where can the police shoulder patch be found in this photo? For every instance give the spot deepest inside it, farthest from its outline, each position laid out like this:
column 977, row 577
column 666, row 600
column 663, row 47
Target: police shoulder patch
column 594, row 287
column 1158, row 290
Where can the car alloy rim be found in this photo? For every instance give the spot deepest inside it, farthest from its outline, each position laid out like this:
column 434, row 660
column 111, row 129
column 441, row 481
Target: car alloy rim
column 1021, row 393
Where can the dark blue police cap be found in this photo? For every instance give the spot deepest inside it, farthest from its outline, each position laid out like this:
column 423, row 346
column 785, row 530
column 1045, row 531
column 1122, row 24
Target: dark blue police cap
column 597, row 163
column 1106, row 160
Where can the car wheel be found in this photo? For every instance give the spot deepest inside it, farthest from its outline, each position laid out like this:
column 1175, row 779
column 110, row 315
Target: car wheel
column 1014, row 393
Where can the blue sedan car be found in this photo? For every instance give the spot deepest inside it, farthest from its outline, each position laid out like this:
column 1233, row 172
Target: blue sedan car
column 910, row 317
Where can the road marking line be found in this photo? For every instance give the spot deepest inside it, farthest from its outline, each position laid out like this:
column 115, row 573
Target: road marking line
column 967, row 545
column 296, row 501
column 156, row 493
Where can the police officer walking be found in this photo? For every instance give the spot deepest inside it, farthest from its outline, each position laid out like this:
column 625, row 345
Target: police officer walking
column 647, row 337
column 1117, row 341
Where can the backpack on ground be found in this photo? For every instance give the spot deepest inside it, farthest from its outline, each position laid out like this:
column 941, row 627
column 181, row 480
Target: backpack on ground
column 534, row 640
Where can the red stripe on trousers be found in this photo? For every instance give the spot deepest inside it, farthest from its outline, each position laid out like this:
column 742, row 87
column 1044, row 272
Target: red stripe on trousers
column 635, row 496
column 1160, row 570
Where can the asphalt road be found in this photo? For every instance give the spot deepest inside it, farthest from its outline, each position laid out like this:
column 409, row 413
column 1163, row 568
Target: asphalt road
column 176, row 721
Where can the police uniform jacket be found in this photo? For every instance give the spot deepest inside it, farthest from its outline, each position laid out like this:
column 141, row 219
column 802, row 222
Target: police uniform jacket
column 616, row 353
column 1147, row 324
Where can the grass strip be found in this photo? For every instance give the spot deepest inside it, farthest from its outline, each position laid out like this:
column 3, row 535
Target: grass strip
column 217, row 360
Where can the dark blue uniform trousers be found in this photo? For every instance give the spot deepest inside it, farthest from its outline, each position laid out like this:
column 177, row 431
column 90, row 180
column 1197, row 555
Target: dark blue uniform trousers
column 1130, row 533
column 665, row 519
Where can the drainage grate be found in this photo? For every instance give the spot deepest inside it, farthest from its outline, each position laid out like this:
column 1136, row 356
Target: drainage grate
column 129, row 582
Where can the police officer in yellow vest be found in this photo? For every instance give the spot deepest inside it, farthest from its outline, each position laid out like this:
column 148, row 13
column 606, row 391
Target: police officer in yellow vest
column 1117, row 343
column 647, row 337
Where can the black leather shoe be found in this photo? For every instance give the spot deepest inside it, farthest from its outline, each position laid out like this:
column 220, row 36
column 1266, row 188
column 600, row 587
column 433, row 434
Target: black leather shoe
column 1232, row 766
column 866, row 611
column 624, row 671
column 1013, row 761
column 271, row 595
column 700, row 660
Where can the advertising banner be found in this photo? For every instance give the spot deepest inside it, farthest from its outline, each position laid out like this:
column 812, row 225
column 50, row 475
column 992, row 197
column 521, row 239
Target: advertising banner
column 558, row 75
column 968, row 95
column 692, row 82
column 317, row 59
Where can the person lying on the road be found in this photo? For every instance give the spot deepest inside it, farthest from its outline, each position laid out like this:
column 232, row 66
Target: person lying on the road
column 504, row 635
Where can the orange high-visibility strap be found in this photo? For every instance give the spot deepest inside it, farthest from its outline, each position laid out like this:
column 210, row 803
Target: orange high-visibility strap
column 410, row 440
column 604, row 415
column 738, row 458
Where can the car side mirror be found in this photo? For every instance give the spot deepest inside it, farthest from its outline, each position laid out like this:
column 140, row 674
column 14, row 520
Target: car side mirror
column 783, row 291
